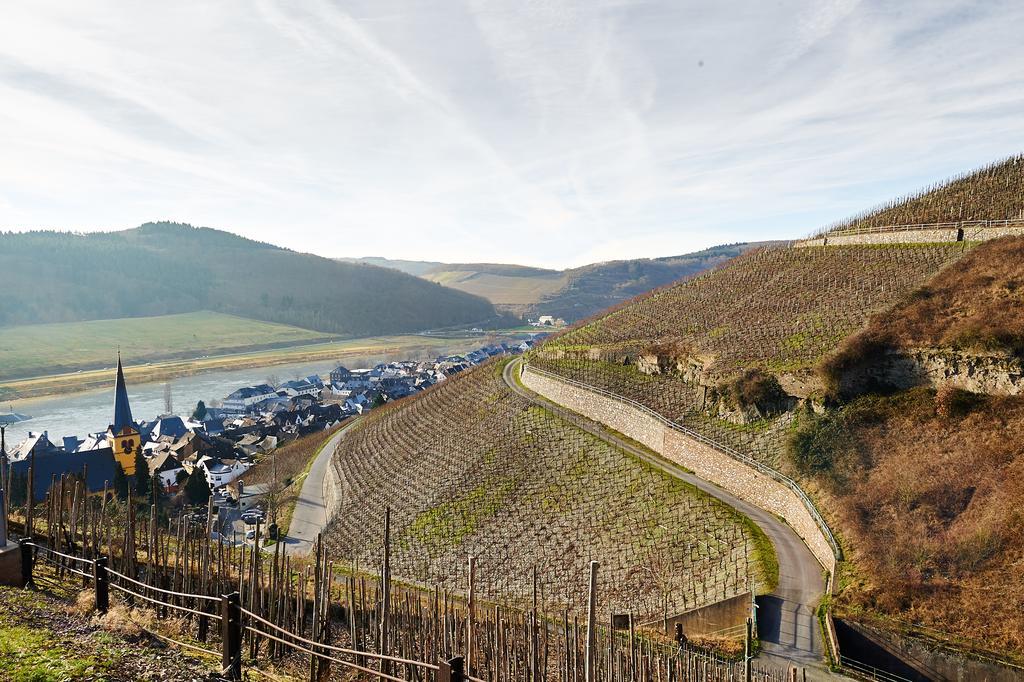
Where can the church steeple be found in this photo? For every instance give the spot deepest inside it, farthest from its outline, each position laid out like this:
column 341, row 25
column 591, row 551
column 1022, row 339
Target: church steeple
column 122, row 410
column 124, row 437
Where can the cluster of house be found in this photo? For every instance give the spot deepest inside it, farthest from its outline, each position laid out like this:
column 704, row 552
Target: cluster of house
column 356, row 391
column 226, row 440
column 547, row 321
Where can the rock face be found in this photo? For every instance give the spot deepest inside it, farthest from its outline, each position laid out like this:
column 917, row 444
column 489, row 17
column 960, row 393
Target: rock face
column 992, row 374
column 689, row 368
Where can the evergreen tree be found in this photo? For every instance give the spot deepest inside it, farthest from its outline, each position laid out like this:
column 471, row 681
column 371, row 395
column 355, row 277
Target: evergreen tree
column 120, row 482
column 200, row 412
column 142, row 477
column 196, row 488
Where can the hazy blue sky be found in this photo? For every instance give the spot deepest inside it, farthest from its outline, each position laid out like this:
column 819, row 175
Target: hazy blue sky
column 550, row 133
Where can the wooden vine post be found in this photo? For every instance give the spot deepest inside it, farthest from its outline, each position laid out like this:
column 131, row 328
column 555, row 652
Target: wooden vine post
column 385, row 577
column 588, row 662
column 471, row 616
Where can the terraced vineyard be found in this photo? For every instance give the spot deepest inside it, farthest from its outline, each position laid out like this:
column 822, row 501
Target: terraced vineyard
column 995, row 192
column 779, row 308
column 470, row 468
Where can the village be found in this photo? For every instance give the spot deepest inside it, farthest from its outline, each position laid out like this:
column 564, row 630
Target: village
column 191, row 457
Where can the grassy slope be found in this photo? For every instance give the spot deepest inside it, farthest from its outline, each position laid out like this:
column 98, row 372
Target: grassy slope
column 928, row 494
column 977, row 304
column 46, row 636
column 33, row 350
column 507, row 290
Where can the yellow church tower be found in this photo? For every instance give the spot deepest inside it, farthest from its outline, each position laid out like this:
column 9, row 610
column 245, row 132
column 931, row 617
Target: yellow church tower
column 123, row 436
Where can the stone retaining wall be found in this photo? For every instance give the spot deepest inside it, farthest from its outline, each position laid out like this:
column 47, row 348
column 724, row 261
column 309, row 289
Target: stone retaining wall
column 706, row 462
column 729, row 614
column 927, row 236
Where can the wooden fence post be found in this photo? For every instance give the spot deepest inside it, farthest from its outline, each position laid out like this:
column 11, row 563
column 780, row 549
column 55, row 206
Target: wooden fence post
column 26, row 562
column 588, row 663
column 231, row 635
column 747, row 653
column 452, row 670
column 101, row 583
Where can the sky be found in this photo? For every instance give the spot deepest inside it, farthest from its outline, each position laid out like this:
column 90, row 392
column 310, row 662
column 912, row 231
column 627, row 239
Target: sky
column 543, row 132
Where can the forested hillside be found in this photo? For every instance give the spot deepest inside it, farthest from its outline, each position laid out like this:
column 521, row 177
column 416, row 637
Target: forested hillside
column 162, row 268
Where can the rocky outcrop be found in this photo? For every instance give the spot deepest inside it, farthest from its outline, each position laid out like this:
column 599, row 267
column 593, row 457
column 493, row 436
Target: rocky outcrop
column 992, row 374
column 688, row 367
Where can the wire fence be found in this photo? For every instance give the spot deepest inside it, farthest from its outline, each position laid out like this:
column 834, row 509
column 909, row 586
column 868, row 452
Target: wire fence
column 612, row 655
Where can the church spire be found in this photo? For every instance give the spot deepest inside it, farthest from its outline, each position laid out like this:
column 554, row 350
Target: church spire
column 122, row 410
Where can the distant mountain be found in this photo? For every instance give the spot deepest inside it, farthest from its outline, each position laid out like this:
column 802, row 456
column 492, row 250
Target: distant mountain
column 409, row 267
column 571, row 294
column 163, row 268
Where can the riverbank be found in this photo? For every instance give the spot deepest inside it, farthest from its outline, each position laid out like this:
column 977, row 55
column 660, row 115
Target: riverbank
column 64, row 383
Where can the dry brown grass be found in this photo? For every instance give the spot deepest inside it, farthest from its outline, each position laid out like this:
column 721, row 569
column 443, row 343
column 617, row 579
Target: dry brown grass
column 933, row 511
column 126, row 621
column 975, row 305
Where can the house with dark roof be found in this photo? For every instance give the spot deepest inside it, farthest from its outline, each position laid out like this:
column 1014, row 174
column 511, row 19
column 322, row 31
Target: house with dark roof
column 297, row 387
column 171, row 425
column 243, row 399
column 96, row 465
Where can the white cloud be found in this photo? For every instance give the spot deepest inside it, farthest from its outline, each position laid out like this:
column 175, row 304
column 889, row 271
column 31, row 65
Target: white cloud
column 550, row 133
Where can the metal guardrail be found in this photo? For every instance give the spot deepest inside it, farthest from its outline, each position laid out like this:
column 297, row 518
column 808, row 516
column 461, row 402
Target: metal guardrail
column 725, row 449
column 871, row 672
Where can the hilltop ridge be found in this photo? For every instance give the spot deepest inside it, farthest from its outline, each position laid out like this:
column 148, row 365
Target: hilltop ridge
column 571, row 294
column 994, row 192
column 163, row 268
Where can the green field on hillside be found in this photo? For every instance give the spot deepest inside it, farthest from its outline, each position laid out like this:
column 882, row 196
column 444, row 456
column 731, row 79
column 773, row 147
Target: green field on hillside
column 501, row 289
column 34, row 350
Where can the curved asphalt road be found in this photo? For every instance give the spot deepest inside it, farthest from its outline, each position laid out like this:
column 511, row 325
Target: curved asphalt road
column 310, row 515
column 787, row 624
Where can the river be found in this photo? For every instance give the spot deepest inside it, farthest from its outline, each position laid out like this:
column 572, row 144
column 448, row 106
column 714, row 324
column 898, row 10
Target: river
column 91, row 411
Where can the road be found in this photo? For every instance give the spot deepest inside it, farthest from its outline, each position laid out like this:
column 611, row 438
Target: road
column 310, row 514
column 787, row 624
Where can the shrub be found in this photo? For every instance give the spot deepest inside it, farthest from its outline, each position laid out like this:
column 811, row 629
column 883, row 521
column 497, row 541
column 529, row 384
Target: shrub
column 823, row 445
column 855, row 353
column 953, row 403
column 754, row 388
